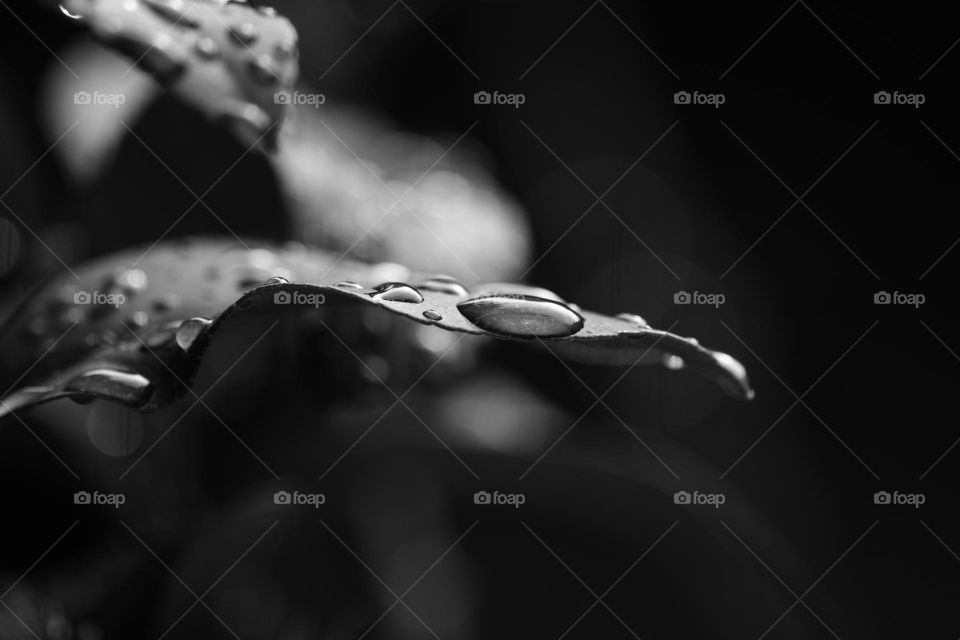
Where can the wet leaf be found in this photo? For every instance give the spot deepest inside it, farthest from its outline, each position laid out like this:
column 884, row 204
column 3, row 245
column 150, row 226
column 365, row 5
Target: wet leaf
column 133, row 327
column 230, row 60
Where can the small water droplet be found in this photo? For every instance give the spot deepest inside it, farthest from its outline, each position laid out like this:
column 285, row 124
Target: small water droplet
column 521, row 315
column 190, row 330
column 430, row 314
column 132, row 281
column 244, row 33
column 275, row 280
column 286, row 50
column 444, row 284
column 262, row 71
column 207, row 48
column 37, row 326
column 123, row 386
column 247, row 121
column 138, row 319
column 397, row 292
column 346, row 284
column 270, row 12
column 634, row 319
column 671, row 361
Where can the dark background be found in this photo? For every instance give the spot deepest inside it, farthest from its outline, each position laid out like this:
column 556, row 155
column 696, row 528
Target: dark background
column 881, row 415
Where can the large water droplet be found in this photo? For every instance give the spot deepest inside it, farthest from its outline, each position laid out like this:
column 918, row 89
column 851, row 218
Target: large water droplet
column 444, row 284
column 346, row 284
column 275, row 280
column 397, row 292
column 125, row 387
column 521, row 315
column 430, row 314
column 190, row 330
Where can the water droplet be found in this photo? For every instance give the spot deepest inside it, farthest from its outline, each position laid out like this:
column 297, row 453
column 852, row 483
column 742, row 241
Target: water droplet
column 430, row 314
column 174, row 11
column 671, row 361
column 270, row 12
column 244, row 33
column 67, row 13
column 634, row 319
column 114, row 430
column 131, row 281
column 138, row 319
column 512, row 288
column 190, row 330
column 346, row 284
column 37, row 326
column 397, row 292
column 520, row 315
column 262, row 71
column 207, row 48
column 286, row 50
column 125, row 387
column 275, row 280
column 444, row 284
column 247, row 121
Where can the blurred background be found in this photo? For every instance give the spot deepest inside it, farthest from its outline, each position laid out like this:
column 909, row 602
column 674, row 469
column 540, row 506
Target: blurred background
column 798, row 199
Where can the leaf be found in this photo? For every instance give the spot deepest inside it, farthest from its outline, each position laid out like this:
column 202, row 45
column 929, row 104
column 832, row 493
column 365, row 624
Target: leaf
column 230, row 60
column 132, row 327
